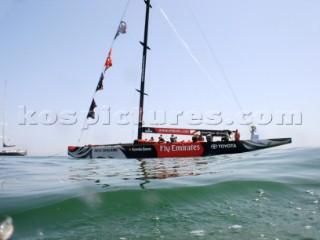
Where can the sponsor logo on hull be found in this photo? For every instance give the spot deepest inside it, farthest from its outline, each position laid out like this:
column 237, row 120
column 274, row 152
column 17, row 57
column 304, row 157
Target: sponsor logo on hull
column 140, row 149
column 223, row 146
column 179, row 150
column 99, row 150
column 107, row 152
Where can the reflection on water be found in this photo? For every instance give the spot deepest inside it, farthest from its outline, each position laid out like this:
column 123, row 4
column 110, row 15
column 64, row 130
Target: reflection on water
column 170, row 168
column 111, row 172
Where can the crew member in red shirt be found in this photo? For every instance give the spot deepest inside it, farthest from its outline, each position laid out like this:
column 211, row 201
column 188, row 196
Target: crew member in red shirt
column 237, row 135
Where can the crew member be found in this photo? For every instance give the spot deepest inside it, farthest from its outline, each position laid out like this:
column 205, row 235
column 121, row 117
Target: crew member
column 173, row 138
column 195, row 137
column 161, row 139
column 200, row 138
column 237, row 135
column 226, row 137
column 209, row 138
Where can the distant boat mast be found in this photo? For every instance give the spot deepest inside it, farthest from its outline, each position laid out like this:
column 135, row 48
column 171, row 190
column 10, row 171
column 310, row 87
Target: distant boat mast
column 3, row 112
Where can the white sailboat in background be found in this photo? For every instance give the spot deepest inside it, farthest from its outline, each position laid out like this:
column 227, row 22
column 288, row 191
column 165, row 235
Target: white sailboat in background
column 6, row 148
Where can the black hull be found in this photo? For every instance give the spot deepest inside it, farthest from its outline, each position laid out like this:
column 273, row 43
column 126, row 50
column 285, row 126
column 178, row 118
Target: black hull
column 13, row 153
column 173, row 150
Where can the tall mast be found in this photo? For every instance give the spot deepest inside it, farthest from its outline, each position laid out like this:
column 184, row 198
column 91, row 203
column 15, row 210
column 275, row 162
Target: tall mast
column 143, row 72
column 4, row 111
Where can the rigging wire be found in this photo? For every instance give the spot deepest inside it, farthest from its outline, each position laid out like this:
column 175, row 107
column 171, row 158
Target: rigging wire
column 86, row 119
column 215, row 58
column 58, row 154
column 207, row 75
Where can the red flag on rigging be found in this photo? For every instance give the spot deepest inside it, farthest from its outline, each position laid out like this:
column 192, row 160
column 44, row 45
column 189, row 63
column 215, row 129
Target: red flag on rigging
column 108, row 61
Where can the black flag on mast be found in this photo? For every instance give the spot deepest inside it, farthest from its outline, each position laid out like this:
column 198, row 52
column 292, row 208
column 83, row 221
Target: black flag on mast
column 91, row 113
column 100, row 83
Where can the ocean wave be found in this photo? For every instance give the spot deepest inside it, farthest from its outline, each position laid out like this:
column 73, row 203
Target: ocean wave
column 243, row 196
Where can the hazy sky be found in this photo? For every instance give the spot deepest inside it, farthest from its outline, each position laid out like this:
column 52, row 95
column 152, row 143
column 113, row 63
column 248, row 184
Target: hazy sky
column 53, row 51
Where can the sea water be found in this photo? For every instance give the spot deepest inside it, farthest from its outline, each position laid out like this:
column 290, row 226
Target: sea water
column 268, row 194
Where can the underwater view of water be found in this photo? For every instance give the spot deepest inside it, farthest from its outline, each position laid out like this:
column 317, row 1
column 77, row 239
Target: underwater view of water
column 268, row 194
